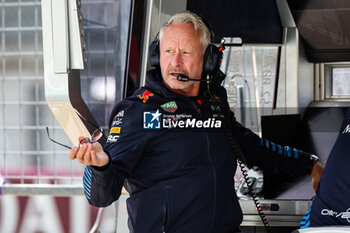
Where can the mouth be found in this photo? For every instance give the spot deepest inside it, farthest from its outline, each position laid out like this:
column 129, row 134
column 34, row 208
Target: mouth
column 175, row 74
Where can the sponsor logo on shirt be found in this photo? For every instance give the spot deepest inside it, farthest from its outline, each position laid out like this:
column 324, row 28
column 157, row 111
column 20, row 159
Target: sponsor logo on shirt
column 332, row 213
column 118, row 119
column 112, row 138
column 120, row 114
column 117, row 122
column 115, row 130
column 145, row 96
column 169, row 107
column 347, row 129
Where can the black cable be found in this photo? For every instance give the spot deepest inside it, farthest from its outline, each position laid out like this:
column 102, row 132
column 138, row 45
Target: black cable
column 254, row 197
column 239, row 156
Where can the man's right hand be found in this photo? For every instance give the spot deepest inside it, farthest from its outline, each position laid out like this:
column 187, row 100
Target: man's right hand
column 89, row 154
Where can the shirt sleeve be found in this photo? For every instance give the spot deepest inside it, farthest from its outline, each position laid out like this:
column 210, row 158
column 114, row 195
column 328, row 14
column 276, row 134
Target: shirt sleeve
column 124, row 146
column 268, row 155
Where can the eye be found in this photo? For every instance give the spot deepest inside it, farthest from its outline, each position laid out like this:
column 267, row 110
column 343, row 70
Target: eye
column 168, row 51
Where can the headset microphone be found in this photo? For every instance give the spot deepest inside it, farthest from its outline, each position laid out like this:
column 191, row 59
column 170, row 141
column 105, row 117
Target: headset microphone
column 184, row 78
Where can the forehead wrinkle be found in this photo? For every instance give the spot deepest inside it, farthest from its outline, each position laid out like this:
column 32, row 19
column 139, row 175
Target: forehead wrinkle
column 185, row 40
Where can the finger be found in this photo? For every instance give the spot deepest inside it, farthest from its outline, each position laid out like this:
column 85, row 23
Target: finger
column 99, row 159
column 72, row 153
column 82, row 140
column 94, row 158
column 81, row 153
column 78, row 152
column 97, row 147
column 87, row 154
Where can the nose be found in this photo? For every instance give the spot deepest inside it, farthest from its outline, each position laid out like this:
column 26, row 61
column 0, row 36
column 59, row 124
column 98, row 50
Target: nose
column 177, row 59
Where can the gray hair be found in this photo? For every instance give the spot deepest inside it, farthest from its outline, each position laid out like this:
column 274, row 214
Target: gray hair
column 188, row 17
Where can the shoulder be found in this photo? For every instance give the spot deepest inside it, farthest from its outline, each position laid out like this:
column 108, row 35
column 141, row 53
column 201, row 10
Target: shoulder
column 141, row 95
column 220, row 91
column 141, row 99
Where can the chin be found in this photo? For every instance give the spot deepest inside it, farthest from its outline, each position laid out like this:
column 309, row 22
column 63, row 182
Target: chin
column 178, row 85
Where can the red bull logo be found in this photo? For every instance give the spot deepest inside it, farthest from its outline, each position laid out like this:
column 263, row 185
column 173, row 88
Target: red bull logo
column 145, row 96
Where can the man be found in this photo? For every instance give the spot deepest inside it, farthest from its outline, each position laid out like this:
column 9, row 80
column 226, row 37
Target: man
column 174, row 154
column 331, row 205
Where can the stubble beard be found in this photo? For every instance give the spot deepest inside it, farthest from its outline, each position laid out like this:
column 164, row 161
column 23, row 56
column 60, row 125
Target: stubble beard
column 186, row 85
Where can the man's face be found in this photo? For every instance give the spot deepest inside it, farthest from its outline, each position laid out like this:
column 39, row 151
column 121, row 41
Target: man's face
column 181, row 53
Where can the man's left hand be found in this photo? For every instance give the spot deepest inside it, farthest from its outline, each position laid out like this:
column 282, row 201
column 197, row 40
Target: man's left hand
column 316, row 174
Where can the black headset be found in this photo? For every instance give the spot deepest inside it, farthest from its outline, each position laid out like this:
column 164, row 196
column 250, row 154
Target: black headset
column 211, row 59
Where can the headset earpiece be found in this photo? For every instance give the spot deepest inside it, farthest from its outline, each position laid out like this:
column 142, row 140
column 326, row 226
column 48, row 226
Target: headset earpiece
column 154, row 55
column 212, row 60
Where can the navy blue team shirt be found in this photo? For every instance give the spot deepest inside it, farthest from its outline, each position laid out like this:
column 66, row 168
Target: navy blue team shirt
column 180, row 179
column 331, row 205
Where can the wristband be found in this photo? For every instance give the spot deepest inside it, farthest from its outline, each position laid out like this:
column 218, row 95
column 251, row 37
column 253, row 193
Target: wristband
column 313, row 160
